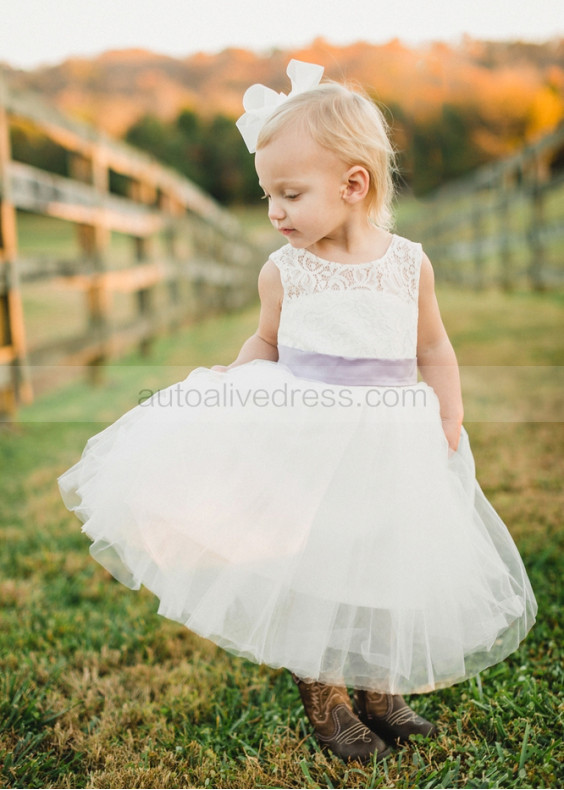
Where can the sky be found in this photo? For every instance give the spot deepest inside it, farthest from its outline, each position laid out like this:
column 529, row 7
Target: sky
column 42, row 32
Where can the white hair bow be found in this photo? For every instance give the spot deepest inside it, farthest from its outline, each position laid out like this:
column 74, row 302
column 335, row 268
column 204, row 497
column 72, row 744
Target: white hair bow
column 260, row 102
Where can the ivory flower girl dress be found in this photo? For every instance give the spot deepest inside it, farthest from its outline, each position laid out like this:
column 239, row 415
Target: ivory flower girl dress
column 307, row 513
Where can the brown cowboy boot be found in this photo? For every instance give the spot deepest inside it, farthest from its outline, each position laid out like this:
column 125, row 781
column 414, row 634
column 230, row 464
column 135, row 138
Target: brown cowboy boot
column 390, row 717
column 335, row 726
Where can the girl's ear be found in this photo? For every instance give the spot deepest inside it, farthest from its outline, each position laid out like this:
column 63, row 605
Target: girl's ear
column 356, row 183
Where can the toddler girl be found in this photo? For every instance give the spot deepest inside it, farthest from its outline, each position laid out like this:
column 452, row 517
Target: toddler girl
column 312, row 505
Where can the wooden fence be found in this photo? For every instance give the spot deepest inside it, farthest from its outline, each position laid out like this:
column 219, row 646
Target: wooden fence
column 503, row 225
column 207, row 263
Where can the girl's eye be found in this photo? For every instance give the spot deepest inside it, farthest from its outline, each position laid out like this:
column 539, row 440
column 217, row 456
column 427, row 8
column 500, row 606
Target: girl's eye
column 286, row 197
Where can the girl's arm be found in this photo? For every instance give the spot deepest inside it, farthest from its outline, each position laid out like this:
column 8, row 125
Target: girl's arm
column 264, row 343
column 436, row 358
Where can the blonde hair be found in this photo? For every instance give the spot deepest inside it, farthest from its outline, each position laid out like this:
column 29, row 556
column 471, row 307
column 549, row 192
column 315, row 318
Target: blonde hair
column 350, row 125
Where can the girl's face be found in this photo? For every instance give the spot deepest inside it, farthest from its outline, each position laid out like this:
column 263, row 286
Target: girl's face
column 304, row 184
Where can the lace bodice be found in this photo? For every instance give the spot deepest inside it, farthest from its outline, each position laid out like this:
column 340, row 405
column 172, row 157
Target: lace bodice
column 351, row 310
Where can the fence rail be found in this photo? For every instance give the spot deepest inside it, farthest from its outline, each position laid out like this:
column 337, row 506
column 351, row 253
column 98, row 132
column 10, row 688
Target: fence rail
column 208, row 264
column 503, row 225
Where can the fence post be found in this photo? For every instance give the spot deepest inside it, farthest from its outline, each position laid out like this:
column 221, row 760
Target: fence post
column 94, row 242
column 173, row 281
column 145, row 300
column 536, row 245
column 16, row 385
column 505, row 245
column 478, row 237
column 142, row 192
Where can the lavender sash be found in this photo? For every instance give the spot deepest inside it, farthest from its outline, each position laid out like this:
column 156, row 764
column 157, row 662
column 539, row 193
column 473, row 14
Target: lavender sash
column 355, row 371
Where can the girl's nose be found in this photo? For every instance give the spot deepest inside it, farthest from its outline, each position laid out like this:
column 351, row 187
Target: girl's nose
column 275, row 211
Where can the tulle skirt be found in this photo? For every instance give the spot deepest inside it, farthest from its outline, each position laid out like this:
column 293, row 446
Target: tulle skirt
column 322, row 528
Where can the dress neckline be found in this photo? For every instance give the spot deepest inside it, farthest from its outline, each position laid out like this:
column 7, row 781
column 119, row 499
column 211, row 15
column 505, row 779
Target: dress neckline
column 356, row 265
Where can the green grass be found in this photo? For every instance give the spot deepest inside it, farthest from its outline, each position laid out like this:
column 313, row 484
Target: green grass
column 96, row 690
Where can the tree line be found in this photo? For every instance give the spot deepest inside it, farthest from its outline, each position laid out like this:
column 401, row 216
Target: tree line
column 430, row 152
column 210, row 151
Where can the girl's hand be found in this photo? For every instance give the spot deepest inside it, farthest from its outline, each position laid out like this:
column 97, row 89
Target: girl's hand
column 452, row 429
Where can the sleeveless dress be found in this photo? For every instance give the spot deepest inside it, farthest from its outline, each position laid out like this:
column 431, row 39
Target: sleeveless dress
column 307, row 513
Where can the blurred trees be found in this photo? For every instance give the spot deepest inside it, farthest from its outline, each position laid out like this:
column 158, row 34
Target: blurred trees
column 445, row 142
column 33, row 147
column 442, row 145
column 451, row 108
column 209, row 152
column 438, row 148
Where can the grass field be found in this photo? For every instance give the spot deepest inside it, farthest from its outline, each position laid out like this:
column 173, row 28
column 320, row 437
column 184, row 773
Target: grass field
column 98, row 691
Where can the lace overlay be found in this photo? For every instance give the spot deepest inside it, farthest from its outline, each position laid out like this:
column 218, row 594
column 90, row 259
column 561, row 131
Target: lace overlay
column 354, row 310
